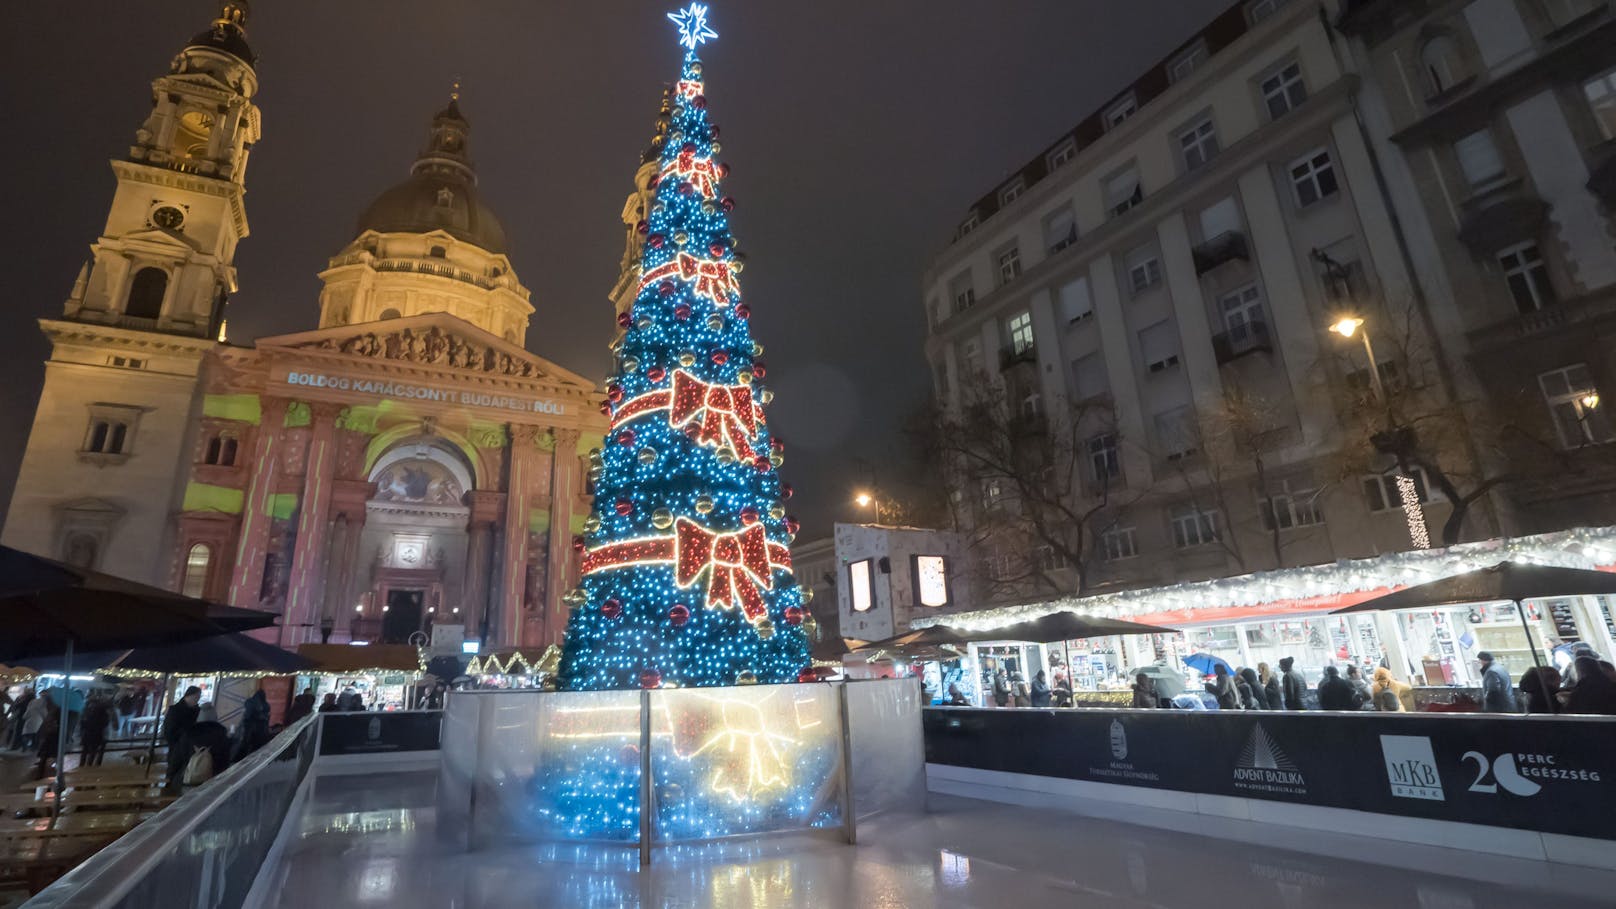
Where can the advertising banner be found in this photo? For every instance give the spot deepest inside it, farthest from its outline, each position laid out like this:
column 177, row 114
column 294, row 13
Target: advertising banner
column 1546, row 774
column 377, row 733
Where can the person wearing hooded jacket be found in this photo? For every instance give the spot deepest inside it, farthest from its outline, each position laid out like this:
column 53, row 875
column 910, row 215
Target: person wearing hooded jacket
column 1293, row 686
column 1335, row 692
column 1251, row 689
column 1222, row 686
column 1388, row 692
column 1594, row 692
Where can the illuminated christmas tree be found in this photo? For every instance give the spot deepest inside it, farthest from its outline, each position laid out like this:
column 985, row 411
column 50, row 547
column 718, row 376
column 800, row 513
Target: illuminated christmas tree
column 687, row 575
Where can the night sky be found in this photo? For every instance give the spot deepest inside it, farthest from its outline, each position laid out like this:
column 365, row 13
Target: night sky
column 858, row 133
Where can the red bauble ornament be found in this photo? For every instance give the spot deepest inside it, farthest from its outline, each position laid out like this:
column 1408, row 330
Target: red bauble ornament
column 686, row 189
column 793, row 615
column 578, row 544
column 791, row 524
column 723, row 169
column 776, row 445
column 679, row 615
column 720, row 357
column 712, row 130
column 717, row 249
column 786, row 491
column 650, row 678
column 612, row 608
column 614, row 394
column 682, row 312
column 655, row 241
column 606, row 408
column 625, row 507
column 743, row 312
column 643, row 227
column 762, row 464
column 624, row 320
column 699, row 102
column 656, row 373
column 667, row 288
column 688, row 148
column 625, row 438
column 728, row 203
column 759, row 369
column 749, row 516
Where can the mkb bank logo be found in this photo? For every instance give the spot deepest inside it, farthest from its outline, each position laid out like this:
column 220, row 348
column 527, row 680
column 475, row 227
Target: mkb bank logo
column 1411, row 767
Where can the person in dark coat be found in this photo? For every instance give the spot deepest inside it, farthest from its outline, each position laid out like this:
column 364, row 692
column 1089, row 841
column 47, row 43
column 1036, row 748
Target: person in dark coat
column 1144, row 693
column 1001, row 689
column 254, row 724
column 1252, row 690
column 1292, row 686
column 93, row 729
column 1222, row 687
column 1497, row 694
column 302, row 706
column 1040, row 690
column 1362, row 694
column 18, row 708
column 956, row 697
column 1335, row 692
column 49, row 732
column 350, row 701
column 1539, row 685
column 1594, row 692
column 207, row 732
column 178, row 721
column 1270, row 685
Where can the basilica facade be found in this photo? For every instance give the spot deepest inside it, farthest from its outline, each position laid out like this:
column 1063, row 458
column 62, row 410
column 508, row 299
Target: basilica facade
column 404, row 465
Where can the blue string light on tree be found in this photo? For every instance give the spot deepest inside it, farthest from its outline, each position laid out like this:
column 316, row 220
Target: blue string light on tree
column 686, row 568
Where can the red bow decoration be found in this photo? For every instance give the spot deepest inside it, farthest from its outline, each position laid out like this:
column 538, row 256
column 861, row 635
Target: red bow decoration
column 721, row 413
column 702, row 173
column 739, row 564
column 712, row 277
column 689, row 88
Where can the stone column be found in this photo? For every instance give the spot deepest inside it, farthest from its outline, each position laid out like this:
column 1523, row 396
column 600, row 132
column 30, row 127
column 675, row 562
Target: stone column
column 524, row 454
column 566, row 481
column 248, row 575
column 348, row 499
column 486, row 508
column 303, row 593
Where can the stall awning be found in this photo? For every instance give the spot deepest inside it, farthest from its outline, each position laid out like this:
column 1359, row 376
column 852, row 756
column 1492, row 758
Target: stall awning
column 516, row 661
column 376, row 658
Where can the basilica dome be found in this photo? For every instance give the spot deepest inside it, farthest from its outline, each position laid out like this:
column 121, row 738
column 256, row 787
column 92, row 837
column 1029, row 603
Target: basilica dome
column 440, row 193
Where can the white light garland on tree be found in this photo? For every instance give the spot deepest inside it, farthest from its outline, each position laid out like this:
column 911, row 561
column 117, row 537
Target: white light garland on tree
column 1583, row 547
column 1411, row 509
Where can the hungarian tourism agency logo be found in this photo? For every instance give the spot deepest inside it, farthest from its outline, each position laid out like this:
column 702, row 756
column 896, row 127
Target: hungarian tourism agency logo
column 1411, row 767
column 1119, row 767
column 1265, row 767
column 1119, row 741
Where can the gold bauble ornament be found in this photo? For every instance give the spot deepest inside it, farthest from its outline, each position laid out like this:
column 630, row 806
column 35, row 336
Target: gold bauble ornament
column 648, row 456
column 695, row 69
column 708, row 208
column 715, row 322
column 747, row 677
column 737, row 265
column 575, row 597
column 642, row 323
column 594, row 456
column 704, row 504
column 717, row 147
column 744, row 376
column 662, row 519
column 765, row 629
column 726, row 455
column 807, row 595
column 777, row 511
column 767, row 396
column 757, row 349
column 631, row 364
column 591, row 523
column 777, row 459
column 681, row 238
column 687, row 359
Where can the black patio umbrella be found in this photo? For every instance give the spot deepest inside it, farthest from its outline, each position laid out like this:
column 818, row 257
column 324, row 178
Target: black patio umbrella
column 1066, row 626
column 1513, row 581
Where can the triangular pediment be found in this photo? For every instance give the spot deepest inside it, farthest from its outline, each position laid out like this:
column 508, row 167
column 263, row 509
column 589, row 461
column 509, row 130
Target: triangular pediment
column 433, row 340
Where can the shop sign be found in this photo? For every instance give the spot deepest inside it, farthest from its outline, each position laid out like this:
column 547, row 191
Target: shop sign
column 1411, row 767
column 384, row 388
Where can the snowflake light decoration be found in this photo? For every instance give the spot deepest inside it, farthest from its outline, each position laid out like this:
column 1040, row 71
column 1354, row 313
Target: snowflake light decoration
column 693, row 27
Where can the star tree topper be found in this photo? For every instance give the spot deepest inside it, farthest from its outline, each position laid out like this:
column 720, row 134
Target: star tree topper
column 693, row 27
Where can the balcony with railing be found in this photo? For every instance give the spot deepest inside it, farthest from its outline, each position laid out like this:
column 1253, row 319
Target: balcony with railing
column 1225, row 247
column 1241, row 340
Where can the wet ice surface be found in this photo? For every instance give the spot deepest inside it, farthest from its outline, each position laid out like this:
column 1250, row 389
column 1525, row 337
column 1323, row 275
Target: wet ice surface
column 369, row 840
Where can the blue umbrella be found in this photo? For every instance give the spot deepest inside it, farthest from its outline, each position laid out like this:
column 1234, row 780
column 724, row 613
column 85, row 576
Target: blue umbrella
column 1204, row 663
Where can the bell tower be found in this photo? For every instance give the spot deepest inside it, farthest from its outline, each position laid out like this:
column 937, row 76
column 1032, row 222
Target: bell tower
column 164, row 261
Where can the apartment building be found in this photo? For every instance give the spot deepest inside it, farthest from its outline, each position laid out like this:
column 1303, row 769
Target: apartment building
column 1178, row 253
column 1496, row 124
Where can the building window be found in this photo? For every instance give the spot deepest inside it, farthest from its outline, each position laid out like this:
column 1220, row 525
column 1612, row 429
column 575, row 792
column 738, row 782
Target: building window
column 1105, row 459
column 1088, row 377
column 1063, row 153
column 1118, row 543
column 106, row 436
column 994, row 494
column 1242, row 312
column 1444, row 66
column 1009, row 265
column 1574, row 404
column 1076, row 303
column 1381, row 493
column 1019, row 331
column 1158, row 346
column 971, row 356
column 1313, row 178
column 1221, row 218
column 1288, row 508
column 221, row 450
column 1118, row 113
column 1601, row 93
column 1199, row 144
column 1187, row 62
column 146, row 293
column 1060, row 229
column 1000, row 566
column 1012, row 191
column 1258, row 10
column 1284, row 91
column 968, row 225
column 1528, row 277
column 1177, row 435
column 196, row 570
column 931, row 581
column 1478, row 158
column 1144, row 270
column 1195, row 526
column 962, row 291
column 860, row 585
column 1123, row 192
column 1564, row 12
column 81, row 550
column 126, row 362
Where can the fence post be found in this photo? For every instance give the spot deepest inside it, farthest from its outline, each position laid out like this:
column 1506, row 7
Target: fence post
column 849, row 820
column 645, row 778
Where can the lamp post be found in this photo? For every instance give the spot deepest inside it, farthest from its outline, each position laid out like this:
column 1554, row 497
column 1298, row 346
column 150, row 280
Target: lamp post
column 1407, row 492
column 876, row 503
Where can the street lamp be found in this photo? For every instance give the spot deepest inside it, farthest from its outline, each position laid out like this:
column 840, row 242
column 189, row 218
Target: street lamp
column 863, row 499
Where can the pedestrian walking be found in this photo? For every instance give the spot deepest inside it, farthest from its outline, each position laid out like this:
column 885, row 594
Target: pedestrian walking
column 254, row 724
column 1251, row 689
column 1040, row 690
column 1001, row 688
column 208, row 735
column 302, row 706
column 49, row 733
column 1497, row 694
column 1292, row 685
column 1222, row 687
column 329, row 704
column 176, row 722
column 1270, row 685
column 1020, row 694
column 1335, row 692
column 93, row 729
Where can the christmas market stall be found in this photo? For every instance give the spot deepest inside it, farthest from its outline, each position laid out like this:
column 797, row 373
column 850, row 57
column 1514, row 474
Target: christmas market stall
column 382, row 675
